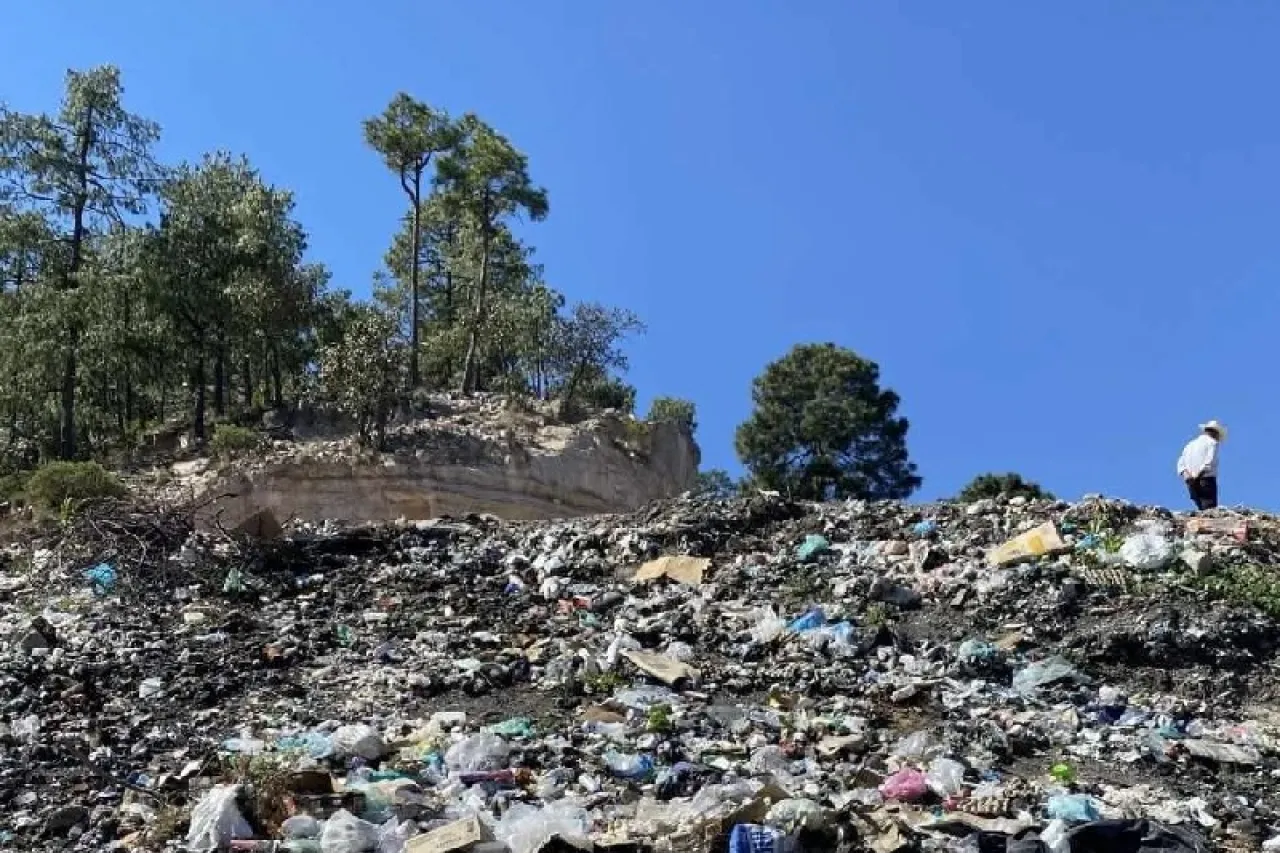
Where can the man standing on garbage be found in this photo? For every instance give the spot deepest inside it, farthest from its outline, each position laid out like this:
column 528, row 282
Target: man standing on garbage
column 1198, row 465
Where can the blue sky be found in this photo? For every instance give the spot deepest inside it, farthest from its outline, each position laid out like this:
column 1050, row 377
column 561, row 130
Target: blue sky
column 1052, row 225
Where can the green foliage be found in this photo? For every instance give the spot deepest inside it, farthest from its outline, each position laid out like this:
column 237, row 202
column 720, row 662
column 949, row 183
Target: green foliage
column 1250, row 585
column 362, row 372
column 823, row 429
column 57, row 485
column 716, row 483
column 229, row 439
column 673, row 409
column 13, row 487
column 995, row 485
column 133, row 293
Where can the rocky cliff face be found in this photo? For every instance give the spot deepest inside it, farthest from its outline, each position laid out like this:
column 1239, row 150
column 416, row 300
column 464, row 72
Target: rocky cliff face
column 478, row 456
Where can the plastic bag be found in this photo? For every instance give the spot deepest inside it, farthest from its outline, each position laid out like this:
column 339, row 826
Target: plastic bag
column 914, row 746
column 526, row 829
column 1054, row 837
column 976, row 651
column 811, row 547
column 795, row 814
column 301, row 826
column 1147, row 551
column 478, row 752
column 751, row 838
column 945, row 776
column 1041, row 673
column 346, row 833
column 813, row 618
column 907, row 785
column 393, row 835
column 216, row 820
column 1072, row 808
column 359, row 741
column 768, row 626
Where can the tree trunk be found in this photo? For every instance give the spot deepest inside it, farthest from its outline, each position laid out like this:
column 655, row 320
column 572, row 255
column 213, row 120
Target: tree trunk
column 220, row 376
column 198, row 383
column 277, row 385
column 67, row 448
column 248, row 381
column 470, row 368
column 415, row 377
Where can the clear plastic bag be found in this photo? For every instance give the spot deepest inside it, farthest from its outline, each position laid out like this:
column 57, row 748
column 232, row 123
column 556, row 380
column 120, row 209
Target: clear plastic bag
column 301, row 826
column 359, row 741
column 915, row 746
column 527, row 829
column 795, row 814
column 1041, row 673
column 478, row 752
column 945, row 776
column 393, row 835
column 768, row 626
column 216, row 820
column 346, row 833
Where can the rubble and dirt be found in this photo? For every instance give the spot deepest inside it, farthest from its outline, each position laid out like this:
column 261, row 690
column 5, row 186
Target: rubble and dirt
column 507, row 456
column 698, row 675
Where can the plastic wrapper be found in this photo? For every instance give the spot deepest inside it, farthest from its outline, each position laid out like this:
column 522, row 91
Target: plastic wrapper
column 945, row 776
column 907, row 786
column 527, row 829
column 1072, row 808
column 216, row 820
column 478, row 752
column 768, row 626
column 346, row 833
column 359, row 741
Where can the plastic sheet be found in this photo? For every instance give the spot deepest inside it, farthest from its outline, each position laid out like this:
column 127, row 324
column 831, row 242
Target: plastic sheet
column 216, row 820
column 1042, row 673
column 301, row 826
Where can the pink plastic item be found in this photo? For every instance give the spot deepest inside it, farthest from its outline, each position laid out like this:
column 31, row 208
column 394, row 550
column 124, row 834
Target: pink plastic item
column 907, row 785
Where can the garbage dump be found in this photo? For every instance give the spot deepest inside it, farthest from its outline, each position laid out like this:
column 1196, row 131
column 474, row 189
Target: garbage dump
column 701, row 675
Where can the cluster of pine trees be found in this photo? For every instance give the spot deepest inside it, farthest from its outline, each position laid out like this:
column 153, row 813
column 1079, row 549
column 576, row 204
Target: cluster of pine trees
column 134, row 292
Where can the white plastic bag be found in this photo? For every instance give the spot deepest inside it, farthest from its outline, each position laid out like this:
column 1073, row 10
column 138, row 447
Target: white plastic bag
column 478, row 752
column 945, row 776
column 526, row 829
column 394, row 835
column 359, row 741
column 346, row 833
column 768, row 625
column 1147, row 551
column 216, row 820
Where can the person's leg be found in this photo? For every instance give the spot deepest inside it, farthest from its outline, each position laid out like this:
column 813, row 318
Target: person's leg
column 1209, row 491
column 1193, row 491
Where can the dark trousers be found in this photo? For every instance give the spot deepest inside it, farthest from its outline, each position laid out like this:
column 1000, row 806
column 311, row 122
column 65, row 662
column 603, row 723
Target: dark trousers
column 1203, row 491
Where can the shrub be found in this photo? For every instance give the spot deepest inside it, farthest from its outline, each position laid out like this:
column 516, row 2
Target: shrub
column 673, row 409
column 229, row 439
column 56, row 484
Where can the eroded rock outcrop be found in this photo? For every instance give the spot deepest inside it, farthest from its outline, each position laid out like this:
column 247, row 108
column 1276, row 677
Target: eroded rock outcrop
column 481, row 455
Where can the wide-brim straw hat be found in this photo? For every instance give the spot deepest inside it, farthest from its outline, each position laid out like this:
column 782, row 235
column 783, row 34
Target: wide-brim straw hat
column 1216, row 427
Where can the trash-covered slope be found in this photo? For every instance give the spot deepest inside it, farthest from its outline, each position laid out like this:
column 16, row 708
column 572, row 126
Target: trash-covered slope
column 840, row 676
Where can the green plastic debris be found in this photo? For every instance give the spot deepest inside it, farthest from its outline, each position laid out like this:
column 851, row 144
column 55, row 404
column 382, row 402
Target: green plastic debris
column 514, row 727
column 345, row 635
column 811, row 547
column 1064, row 773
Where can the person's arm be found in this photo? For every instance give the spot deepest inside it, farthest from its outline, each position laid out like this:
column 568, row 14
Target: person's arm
column 1211, row 458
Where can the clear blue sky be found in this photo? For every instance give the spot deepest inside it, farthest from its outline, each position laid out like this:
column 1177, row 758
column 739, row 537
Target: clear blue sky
column 1054, row 226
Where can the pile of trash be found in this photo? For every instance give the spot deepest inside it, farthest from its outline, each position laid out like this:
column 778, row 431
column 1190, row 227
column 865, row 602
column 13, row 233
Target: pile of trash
column 753, row 675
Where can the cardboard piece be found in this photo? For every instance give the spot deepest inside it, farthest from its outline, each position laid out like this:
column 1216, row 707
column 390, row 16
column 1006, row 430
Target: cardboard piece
column 1235, row 527
column 685, row 570
column 666, row 669
column 453, row 836
column 1036, row 542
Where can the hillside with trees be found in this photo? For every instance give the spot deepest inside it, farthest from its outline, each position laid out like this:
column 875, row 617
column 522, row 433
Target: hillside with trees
column 135, row 292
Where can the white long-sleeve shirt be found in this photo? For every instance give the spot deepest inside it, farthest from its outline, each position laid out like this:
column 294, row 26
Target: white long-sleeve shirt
column 1199, row 458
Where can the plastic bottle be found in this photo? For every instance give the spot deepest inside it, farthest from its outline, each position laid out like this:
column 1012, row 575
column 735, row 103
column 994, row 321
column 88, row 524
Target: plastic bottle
column 629, row 766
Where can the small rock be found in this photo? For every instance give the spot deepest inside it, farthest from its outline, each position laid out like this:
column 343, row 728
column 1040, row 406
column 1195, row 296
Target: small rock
column 61, row 821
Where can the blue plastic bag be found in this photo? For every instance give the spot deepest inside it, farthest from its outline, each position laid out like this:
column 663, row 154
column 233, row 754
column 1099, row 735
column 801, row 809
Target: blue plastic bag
column 101, row 577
